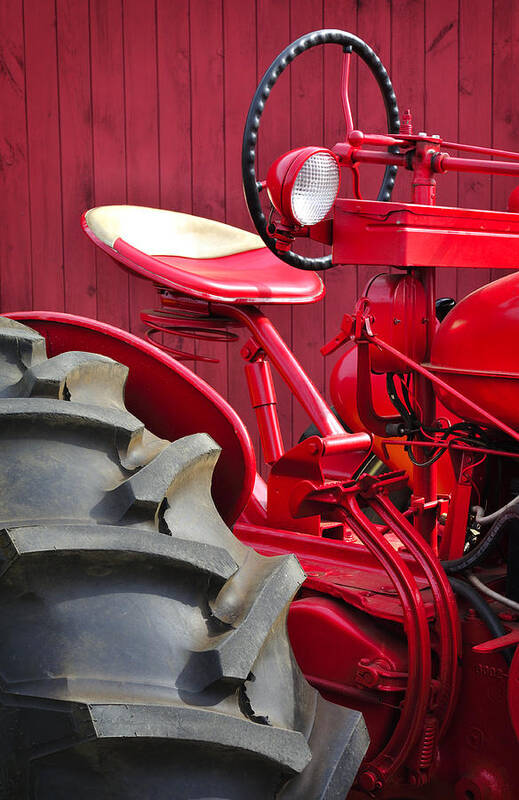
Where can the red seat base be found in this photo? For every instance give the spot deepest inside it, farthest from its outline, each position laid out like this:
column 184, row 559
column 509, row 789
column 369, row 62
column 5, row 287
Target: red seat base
column 248, row 276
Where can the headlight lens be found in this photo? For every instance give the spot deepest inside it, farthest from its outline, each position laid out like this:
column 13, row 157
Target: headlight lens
column 315, row 188
column 303, row 185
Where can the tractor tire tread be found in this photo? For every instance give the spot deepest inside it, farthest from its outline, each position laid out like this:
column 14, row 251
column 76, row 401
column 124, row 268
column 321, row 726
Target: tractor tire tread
column 135, row 626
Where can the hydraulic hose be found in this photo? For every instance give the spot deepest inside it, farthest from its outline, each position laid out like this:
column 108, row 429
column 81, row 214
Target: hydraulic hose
column 476, row 555
column 483, row 520
column 484, row 589
column 485, row 612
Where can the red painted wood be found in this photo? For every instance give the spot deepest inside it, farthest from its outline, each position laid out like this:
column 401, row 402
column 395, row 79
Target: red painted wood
column 125, row 101
column 44, row 154
column 109, row 143
column 441, row 101
column 208, row 139
column 73, row 26
column 306, row 79
column 239, row 21
column 375, row 29
column 174, row 92
column 407, row 70
column 505, row 99
column 15, row 241
column 142, row 140
column 341, row 282
column 274, row 139
column 475, row 114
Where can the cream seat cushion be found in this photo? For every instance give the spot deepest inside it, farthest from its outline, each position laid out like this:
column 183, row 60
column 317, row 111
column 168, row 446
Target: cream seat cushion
column 155, row 231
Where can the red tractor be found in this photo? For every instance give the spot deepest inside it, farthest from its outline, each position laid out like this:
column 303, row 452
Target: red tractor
column 145, row 650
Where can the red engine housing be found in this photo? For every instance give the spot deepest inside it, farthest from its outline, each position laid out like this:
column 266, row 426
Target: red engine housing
column 398, row 314
column 475, row 351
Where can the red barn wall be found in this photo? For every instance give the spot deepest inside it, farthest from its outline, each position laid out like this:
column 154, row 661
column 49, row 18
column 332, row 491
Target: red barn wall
column 143, row 102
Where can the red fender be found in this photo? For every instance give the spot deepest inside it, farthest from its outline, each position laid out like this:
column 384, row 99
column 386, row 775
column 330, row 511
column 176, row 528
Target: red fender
column 167, row 396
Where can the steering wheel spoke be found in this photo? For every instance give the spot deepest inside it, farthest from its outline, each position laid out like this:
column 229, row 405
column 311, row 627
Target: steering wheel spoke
column 345, row 93
column 252, row 187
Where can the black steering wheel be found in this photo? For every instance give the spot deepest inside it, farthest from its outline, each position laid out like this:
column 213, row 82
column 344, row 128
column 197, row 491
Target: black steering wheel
column 251, row 186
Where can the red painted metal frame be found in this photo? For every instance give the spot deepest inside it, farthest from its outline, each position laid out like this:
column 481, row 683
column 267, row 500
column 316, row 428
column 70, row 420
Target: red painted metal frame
column 446, row 388
column 349, row 555
column 421, row 708
column 265, row 343
column 268, row 338
column 263, row 400
column 480, row 360
column 459, row 235
column 408, row 235
column 345, row 95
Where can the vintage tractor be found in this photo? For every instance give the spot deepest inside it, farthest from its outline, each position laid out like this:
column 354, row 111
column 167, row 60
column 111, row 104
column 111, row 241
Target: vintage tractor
column 145, row 650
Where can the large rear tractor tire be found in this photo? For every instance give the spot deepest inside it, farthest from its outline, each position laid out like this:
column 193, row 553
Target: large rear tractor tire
column 144, row 653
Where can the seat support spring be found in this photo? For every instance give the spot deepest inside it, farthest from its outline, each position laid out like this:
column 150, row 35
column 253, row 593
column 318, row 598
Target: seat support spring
column 186, row 325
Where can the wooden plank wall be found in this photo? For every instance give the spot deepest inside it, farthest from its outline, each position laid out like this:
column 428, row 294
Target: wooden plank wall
column 143, row 101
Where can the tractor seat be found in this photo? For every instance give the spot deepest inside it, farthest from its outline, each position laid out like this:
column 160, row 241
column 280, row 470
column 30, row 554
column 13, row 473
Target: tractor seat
column 198, row 257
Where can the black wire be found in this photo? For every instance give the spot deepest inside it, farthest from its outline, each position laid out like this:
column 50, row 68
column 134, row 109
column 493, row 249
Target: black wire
column 439, row 453
column 405, row 395
column 489, row 541
column 407, row 414
column 492, row 622
column 472, row 435
column 410, row 419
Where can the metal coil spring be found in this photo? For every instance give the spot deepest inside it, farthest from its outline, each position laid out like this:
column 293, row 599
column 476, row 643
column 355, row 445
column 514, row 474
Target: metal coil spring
column 187, row 325
column 426, row 748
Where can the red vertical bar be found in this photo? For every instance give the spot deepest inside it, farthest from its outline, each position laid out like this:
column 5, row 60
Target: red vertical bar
column 174, row 91
column 208, row 131
column 345, row 93
column 15, row 241
column 75, row 103
column 407, row 72
column 306, row 87
column 505, row 100
column 106, row 43
column 263, row 400
column 441, row 110
column 375, row 29
column 175, row 133
column 273, row 35
column 207, row 100
column 44, row 154
column 341, row 282
column 142, row 146
column 475, row 113
column 408, row 38
column 240, row 81
column 454, row 535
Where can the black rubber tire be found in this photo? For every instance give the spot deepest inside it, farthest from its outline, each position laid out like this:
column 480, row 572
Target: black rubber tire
column 144, row 648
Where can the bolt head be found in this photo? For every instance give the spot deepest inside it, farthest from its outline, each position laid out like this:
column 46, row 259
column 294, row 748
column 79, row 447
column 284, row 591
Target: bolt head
column 368, row 780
